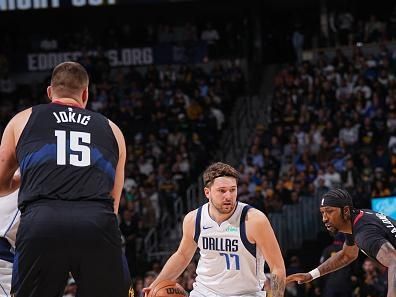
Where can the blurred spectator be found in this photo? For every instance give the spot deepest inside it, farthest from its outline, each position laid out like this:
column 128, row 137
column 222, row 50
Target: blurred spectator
column 338, row 283
column 293, row 289
column 374, row 30
column 332, row 177
column 350, row 177
column 129, row 227
column 211, row 36
column 298, row 43
column 345, row 26
column 374, row 282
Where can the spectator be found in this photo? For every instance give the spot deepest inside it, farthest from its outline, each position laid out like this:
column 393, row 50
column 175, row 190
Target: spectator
column 211, row 36
column 338, row 283
column 374, row 283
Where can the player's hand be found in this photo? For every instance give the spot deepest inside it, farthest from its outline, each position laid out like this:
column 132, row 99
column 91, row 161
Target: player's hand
column 300, row 278
column 146, row 291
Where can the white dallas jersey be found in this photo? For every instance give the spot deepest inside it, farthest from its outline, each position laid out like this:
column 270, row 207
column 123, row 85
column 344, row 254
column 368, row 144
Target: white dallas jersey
column 9, row 217
column 9, row 222
column 229, row 264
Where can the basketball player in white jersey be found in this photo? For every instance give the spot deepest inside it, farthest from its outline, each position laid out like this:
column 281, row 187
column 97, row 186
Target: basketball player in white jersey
column 234, row 242
column 9, row 221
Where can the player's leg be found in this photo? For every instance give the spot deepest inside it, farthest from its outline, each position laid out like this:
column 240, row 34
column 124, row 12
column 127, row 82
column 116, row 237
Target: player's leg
column 99, row 266
column 40, row 264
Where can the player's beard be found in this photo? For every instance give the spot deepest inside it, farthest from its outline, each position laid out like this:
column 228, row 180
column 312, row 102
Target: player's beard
column 223, row 208
column 334, row 230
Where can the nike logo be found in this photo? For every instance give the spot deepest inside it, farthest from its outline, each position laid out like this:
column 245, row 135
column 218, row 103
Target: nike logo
column 207, row 227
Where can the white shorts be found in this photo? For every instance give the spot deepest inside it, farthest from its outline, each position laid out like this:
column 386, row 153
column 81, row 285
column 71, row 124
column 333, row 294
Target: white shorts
column 201, row 291
column 5, row 278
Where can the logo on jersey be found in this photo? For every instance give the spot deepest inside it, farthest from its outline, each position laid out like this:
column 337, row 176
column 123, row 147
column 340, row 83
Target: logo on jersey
column 232, row 229
column 207, row 227
column 220, row 244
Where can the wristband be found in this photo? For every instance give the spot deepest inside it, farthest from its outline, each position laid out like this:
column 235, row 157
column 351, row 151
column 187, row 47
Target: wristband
column 315, row 273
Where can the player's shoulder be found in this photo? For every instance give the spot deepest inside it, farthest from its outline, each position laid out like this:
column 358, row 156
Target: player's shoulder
column 15, row 126
column 21, row 116
column 191, row 216
column 189, row 221
column 116, row 130
column 256, row 216
column 113, row 125
column 254, row 212
column 367, row 215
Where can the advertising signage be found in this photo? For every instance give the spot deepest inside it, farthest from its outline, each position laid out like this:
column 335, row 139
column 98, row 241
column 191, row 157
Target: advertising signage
column 159, row 54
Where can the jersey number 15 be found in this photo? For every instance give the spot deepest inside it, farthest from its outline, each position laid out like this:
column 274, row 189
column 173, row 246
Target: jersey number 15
column 78, row 152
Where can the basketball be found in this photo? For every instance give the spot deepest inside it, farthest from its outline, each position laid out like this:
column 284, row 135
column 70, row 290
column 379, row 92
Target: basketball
column 167, row 288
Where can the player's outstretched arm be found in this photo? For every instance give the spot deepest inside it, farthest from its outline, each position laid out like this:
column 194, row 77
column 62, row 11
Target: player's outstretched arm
column 387, row 257
column 341, row 259
column 179, row 261
column 263, row 234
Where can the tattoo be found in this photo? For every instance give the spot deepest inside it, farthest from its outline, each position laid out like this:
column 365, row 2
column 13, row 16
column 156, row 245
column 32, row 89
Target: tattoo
column 277, row 286
column 384, row 255
column 387, row 257
column 392, row 281
column 339, row 260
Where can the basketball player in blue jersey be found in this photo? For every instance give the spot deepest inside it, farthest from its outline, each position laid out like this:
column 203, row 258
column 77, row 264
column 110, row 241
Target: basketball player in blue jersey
column 72, row 172
column 371, row 232
column 9, row 221
column 234, row 241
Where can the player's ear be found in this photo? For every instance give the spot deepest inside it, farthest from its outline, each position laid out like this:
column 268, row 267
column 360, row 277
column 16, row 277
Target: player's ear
column 49, row 92
column 84, row 96
column 207, row 192
column 347, row 212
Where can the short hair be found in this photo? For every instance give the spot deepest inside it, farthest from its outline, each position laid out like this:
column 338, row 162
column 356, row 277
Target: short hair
column 217, row 170
column 69, row 78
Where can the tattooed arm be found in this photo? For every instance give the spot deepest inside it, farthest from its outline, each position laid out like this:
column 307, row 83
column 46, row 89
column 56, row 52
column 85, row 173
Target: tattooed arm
column 277, row 286
column 387, row 257
column 339, row 260
column 259, row 231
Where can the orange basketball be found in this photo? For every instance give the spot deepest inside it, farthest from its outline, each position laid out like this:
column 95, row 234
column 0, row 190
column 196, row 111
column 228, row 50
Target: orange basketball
column 167, row 288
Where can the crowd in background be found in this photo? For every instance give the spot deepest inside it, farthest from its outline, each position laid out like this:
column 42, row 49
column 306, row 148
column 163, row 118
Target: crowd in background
column 333, row 123
column 171, row 118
